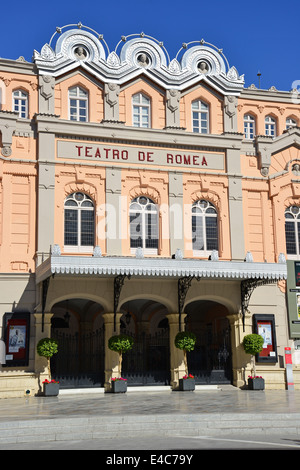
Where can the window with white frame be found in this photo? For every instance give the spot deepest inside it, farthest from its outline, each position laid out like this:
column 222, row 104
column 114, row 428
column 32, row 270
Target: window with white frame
column 143, row 219
column 20, row 103
column 79, row 223
column 270, row 126
column 200, row 117
column 141, row 107
column 78, row 104
column 204, row 228
column 290, row 122
column 292, row 232
column 249, row 126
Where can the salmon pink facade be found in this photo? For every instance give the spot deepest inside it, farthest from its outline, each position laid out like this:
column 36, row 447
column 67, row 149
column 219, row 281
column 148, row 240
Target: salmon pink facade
column 145, row 195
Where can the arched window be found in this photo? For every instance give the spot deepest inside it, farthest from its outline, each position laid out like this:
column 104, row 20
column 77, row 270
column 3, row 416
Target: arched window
column 249, row 126
column 79, row 227
column 290, row 122
column 20, row 103
column 204, row 227
column 200, row 117
column 270, row 126
column 141, row 108
column 292, row 231
column 143, row 217
column 78, row 104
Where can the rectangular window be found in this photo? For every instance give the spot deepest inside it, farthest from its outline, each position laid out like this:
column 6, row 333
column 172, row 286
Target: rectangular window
column 151, row 239
column 211, row 233
column 136, row 230
column 197, row 233
column 290, row 238
column 71, row 227
column 87, row 228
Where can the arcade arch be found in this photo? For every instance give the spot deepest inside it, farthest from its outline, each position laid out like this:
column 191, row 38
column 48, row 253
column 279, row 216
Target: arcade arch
column 77, row 324
column 148, row 363
column 211, row 360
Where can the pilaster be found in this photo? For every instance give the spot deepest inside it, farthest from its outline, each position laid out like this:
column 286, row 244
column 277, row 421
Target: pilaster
column 235, row 200
column 172, row 108
column 40, row 363
column 111, row 102
column 230, row 113
column 239, row 357
column 46, row 94
column 46, row 194
column 111, row 365
column 113, row 212
column 177, row 369
column 176, row 212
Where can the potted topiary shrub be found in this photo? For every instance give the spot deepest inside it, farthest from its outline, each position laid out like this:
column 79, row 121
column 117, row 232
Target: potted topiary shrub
column 120, row 344
column 47, row 347
column 253, row 344
column 186, row 341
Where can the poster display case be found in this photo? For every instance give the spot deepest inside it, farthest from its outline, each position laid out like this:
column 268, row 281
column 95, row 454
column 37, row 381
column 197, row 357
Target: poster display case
column 264, row 325
column 16, row 337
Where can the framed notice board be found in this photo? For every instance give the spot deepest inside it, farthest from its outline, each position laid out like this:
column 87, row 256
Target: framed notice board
column 264, row 325
column 16, row 338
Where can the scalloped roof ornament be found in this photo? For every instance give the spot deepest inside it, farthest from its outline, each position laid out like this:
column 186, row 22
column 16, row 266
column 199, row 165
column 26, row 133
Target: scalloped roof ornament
column 76, row 45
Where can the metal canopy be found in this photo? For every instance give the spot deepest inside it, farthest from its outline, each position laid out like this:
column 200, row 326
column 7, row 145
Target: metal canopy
column 159, row 267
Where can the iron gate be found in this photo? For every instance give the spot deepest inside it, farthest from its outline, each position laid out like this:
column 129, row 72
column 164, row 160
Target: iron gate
column 148, row 362
column 211, row 360
column 80, row 359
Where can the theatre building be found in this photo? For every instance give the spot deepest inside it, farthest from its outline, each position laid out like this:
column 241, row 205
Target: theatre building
column 145, row 194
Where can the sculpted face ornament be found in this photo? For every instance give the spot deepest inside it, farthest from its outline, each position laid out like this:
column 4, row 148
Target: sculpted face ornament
column 143, row 60
column 80, row 53
column 296, row 168
column 203, row 67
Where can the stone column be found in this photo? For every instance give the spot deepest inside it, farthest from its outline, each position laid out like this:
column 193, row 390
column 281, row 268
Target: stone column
column 111, row 364
column 176, row 355
column 40, row 363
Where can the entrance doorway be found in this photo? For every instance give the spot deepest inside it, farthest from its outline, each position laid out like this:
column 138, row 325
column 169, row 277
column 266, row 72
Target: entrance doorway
column 211, row 360
column 148, row 362
column 78, row 327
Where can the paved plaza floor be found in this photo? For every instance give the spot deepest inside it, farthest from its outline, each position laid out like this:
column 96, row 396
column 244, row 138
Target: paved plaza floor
column 227, row 399
column 86, row 409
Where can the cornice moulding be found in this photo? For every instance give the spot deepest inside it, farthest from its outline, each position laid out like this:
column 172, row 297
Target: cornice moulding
column 51, row 124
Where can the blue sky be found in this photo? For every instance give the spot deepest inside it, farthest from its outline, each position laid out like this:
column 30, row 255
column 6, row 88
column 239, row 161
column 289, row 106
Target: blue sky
column 255, row 36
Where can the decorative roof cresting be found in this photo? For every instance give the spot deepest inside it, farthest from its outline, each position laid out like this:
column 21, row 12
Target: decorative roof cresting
column 74, row 46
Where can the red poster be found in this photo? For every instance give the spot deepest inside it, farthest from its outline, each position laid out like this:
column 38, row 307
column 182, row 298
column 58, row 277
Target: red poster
column 265, row 330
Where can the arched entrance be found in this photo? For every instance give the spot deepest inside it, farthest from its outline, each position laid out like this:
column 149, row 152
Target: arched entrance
column 211, row 360
column 78, row 327
column 148, row 363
